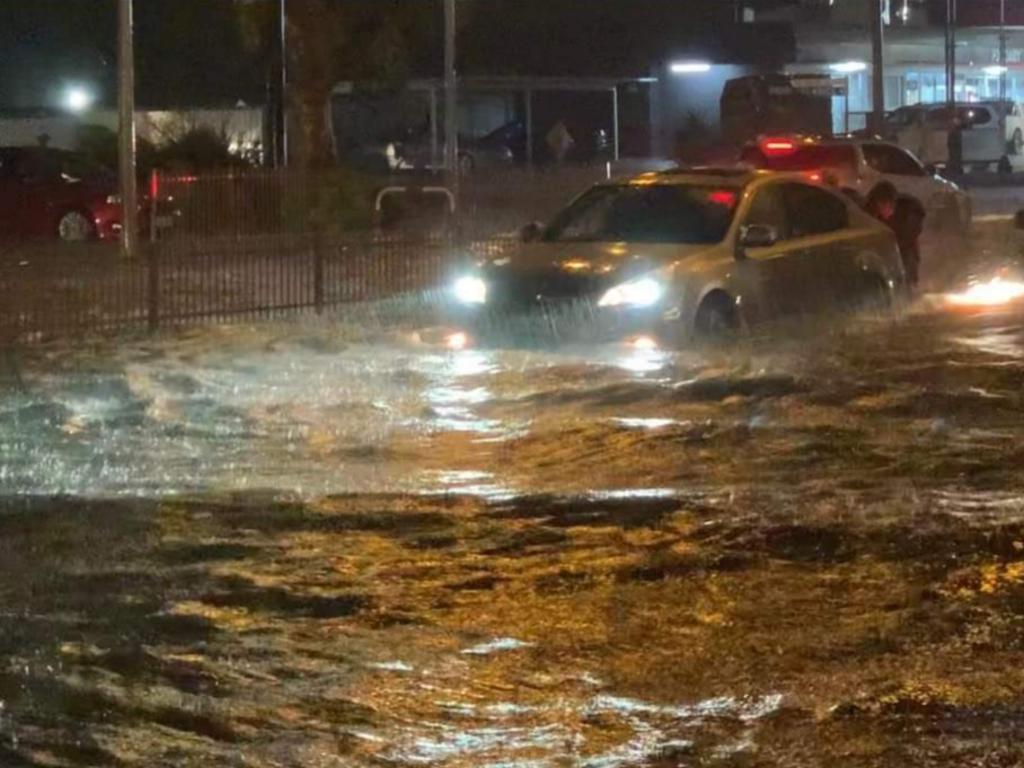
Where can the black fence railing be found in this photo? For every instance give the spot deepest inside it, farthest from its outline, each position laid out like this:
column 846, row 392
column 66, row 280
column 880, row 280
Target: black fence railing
column 49, row 292
column 240, row 245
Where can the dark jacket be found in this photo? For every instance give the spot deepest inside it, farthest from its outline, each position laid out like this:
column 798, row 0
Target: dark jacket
column 908, row 225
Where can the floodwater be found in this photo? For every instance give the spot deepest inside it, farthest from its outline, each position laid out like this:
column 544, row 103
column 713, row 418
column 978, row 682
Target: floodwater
column 316, row 545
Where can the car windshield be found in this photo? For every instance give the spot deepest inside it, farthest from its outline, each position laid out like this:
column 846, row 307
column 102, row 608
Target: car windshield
column 77, row 166
column 968, row 116
column 664, row 213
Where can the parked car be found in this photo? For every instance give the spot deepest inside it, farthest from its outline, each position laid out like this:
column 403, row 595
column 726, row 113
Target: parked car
column 860, row 165
column 924, row 130
column 693, row 252
column 55, row 193
column 497, row 149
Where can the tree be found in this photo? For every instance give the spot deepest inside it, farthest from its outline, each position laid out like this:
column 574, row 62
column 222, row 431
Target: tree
column 334, row 40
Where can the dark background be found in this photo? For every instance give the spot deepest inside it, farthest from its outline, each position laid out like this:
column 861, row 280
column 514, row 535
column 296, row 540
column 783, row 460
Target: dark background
column 194, row 53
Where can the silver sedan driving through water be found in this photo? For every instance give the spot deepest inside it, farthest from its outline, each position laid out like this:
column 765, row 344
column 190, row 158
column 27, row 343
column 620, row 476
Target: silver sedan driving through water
column 683, row 254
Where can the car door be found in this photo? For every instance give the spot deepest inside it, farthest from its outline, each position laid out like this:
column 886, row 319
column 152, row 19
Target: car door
column 982, row 140
column 774, row 278
column 8, row 195
column 820, row 232
column 39, row 192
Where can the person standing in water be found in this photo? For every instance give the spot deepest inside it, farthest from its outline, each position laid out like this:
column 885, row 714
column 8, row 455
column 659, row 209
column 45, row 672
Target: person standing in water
column 905, row 216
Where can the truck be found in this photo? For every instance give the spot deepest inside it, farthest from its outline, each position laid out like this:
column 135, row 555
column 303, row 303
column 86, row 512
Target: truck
column 773, row 104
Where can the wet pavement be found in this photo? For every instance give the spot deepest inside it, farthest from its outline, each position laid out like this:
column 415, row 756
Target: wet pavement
column 320, row 545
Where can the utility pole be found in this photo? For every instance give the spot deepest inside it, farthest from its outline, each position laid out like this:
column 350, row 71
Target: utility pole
column 951, row 56
column 126, row 135
column 1002, row 66
column 451, row 99
column 282, row 116
column 877, row 67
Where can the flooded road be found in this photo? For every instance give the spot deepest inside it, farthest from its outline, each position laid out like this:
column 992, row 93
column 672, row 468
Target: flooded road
column 315, row 545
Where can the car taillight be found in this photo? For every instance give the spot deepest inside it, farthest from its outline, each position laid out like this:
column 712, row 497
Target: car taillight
column 778, row 147
column 723, row 197
column 815, row 176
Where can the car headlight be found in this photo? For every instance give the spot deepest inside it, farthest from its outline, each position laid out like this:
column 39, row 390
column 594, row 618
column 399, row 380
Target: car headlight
column 644, row 292
column 470, row 290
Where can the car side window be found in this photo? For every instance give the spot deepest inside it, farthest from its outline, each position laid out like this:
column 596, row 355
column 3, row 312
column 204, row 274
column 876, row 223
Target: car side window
column 37, row 166
column 891, row 160
column 977, row 116
column 813, row 211
column 768, row 208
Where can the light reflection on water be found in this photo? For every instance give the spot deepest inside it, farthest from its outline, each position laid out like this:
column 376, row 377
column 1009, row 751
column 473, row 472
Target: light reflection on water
column 304, row 413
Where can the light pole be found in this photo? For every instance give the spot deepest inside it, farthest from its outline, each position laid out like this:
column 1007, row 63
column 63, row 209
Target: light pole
column 877, row 67
column 282, row 115
column 126, row 135
column 451, row 99
column 951, row 56
column 1002, row 67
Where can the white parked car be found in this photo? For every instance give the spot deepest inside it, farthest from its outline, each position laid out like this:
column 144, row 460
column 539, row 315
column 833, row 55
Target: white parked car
column 861, row 165
column 924, row 130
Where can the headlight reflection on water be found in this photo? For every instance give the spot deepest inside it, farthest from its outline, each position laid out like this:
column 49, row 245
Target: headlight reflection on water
column 994, row 293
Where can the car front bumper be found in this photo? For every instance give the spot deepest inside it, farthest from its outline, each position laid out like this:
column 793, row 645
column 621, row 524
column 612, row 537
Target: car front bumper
column 576, row 320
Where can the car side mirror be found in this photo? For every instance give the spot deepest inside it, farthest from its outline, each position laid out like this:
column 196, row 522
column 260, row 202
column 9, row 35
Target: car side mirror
column 531, row 232
column 758, row 236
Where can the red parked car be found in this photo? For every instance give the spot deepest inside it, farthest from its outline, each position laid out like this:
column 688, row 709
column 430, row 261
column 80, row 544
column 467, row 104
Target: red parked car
column 54, row 193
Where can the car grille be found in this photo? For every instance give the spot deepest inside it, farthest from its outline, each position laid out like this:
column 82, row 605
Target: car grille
column 538, row 289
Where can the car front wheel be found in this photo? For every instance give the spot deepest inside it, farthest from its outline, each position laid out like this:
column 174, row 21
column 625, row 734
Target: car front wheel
column 717, row 318
column 75, row 227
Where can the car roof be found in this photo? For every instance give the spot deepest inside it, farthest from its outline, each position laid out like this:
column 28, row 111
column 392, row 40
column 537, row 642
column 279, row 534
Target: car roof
column 831, row 141
column 737, row 176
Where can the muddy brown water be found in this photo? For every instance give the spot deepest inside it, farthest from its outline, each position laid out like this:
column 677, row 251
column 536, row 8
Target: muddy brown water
column 292, row 547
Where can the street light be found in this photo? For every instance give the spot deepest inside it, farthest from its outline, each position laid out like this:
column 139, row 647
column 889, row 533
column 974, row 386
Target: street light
column 78, row 99
column 689, row 67
column 848, row 67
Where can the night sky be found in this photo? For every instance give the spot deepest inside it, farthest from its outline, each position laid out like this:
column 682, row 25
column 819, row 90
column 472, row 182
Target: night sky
column 192, row 52
column 189, row 50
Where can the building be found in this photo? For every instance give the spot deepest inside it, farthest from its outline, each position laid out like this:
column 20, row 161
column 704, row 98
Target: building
column 833, row 37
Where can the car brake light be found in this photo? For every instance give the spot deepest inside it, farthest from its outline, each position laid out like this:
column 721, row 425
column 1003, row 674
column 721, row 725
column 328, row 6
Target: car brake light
column 723, row 197
column 777, row 147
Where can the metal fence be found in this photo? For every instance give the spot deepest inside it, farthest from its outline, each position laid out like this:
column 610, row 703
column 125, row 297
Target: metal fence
column 260, row 244
column 72, row 291
column 271, row 202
